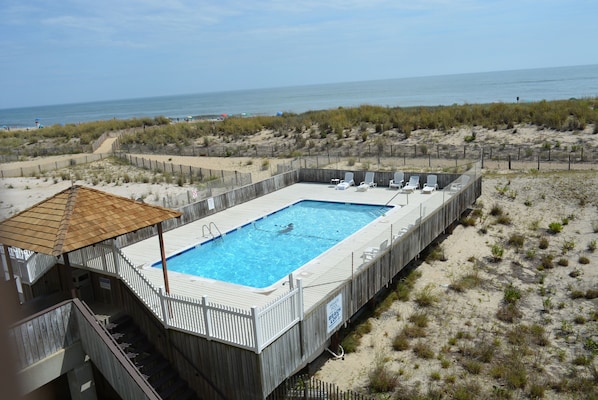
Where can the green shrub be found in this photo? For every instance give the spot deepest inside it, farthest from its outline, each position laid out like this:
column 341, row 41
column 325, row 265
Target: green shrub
column 584, row 260
column 496, row 210
column 413, row 331
column 538, row 335
column 423, row 350
column 543, row 245
column 472, row 366
column 516, row 240
column 465, row 391
column 555, row 227
column 350, row 343
column 511, row 294
column 419, row 319
column 425, row 297
column 563, row 262
column 530, row 254
column 546, row 261
column 567, row 246
column 382, row 379
column 536, row 391
column 467, row 221
column 400, row 342
column 497, row 252
column 582, row 360
column 465, row 282
column 508, row 313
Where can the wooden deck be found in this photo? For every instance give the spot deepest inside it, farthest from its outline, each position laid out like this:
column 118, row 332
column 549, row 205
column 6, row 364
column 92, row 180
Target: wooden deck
column 320, row 276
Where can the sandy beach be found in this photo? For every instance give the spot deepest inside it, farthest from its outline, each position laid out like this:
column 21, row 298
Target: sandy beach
column 467, row 336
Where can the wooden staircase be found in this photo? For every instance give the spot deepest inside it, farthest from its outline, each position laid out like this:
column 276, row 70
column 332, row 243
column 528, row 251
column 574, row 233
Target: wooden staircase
column 156, row 369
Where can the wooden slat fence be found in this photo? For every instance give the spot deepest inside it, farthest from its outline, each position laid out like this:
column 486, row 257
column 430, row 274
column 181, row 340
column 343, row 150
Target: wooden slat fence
column 201, row 208
column 15, row 172
column 215, row 178
column 306, row 340
column 65, row 324
column 324, row 155
column 110, row 359
column 43, row 334
column 302, row 387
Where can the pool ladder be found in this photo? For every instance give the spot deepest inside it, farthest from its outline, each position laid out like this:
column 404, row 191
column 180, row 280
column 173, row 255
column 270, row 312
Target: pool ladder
column 209, row 228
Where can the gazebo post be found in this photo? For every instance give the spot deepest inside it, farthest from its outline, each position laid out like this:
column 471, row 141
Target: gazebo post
column 10, row 272
column 163, row 255
column 68, row 275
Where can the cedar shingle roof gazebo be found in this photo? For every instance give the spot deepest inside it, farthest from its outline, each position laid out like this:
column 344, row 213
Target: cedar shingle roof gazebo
column 79, row 217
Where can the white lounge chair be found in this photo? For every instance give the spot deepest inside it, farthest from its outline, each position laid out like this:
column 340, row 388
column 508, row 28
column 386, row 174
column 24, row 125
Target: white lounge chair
column 369, row 180
column 431, row 184
column 371, row 252
column 397, row 181
column 412, row 185
column 402, row 231
column 459, row 184
column 345, row 183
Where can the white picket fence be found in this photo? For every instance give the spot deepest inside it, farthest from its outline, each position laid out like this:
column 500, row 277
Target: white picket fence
column 28, row 265
column 252, row 329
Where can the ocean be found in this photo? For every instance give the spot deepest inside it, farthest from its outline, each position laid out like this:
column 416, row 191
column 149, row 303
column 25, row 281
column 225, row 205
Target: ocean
column 474, row 88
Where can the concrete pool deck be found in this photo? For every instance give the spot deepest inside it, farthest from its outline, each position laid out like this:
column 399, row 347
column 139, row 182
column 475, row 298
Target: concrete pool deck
column 319, row 277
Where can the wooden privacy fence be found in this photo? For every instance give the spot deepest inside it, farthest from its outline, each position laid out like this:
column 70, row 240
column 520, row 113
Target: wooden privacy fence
column 62, row 326
column 255, row 328
column 43, row 334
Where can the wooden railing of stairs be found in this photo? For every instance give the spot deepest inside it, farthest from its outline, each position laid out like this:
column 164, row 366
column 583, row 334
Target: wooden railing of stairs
column 155, row 368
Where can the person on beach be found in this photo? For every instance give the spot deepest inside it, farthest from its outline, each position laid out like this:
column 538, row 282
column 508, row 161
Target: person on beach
column 287, row 228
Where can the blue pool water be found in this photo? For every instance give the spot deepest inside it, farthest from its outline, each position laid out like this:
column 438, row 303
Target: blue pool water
column 261, row 253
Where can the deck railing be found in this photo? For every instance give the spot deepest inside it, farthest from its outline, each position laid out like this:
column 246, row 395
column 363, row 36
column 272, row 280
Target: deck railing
column 252, row 329
column 28, row 265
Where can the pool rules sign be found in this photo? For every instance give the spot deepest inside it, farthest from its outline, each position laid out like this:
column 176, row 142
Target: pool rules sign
column 334, row 312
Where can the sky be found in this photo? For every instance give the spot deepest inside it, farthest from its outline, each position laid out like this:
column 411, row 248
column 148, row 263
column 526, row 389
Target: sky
column 73, row 51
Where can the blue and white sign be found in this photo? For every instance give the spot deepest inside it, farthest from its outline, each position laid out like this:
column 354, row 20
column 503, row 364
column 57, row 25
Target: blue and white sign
column 334, row 312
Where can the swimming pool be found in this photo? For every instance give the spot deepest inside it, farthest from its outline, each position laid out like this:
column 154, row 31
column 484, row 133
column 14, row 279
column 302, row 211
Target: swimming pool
column 261, row 253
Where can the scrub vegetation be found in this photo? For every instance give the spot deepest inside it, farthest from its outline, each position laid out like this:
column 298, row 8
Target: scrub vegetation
column 362, row 124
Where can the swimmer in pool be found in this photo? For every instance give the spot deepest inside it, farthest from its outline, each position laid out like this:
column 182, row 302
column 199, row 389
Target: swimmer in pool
column 287, row 228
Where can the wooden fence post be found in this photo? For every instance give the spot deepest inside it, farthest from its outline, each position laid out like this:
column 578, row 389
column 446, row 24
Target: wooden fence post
column 569, row 162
